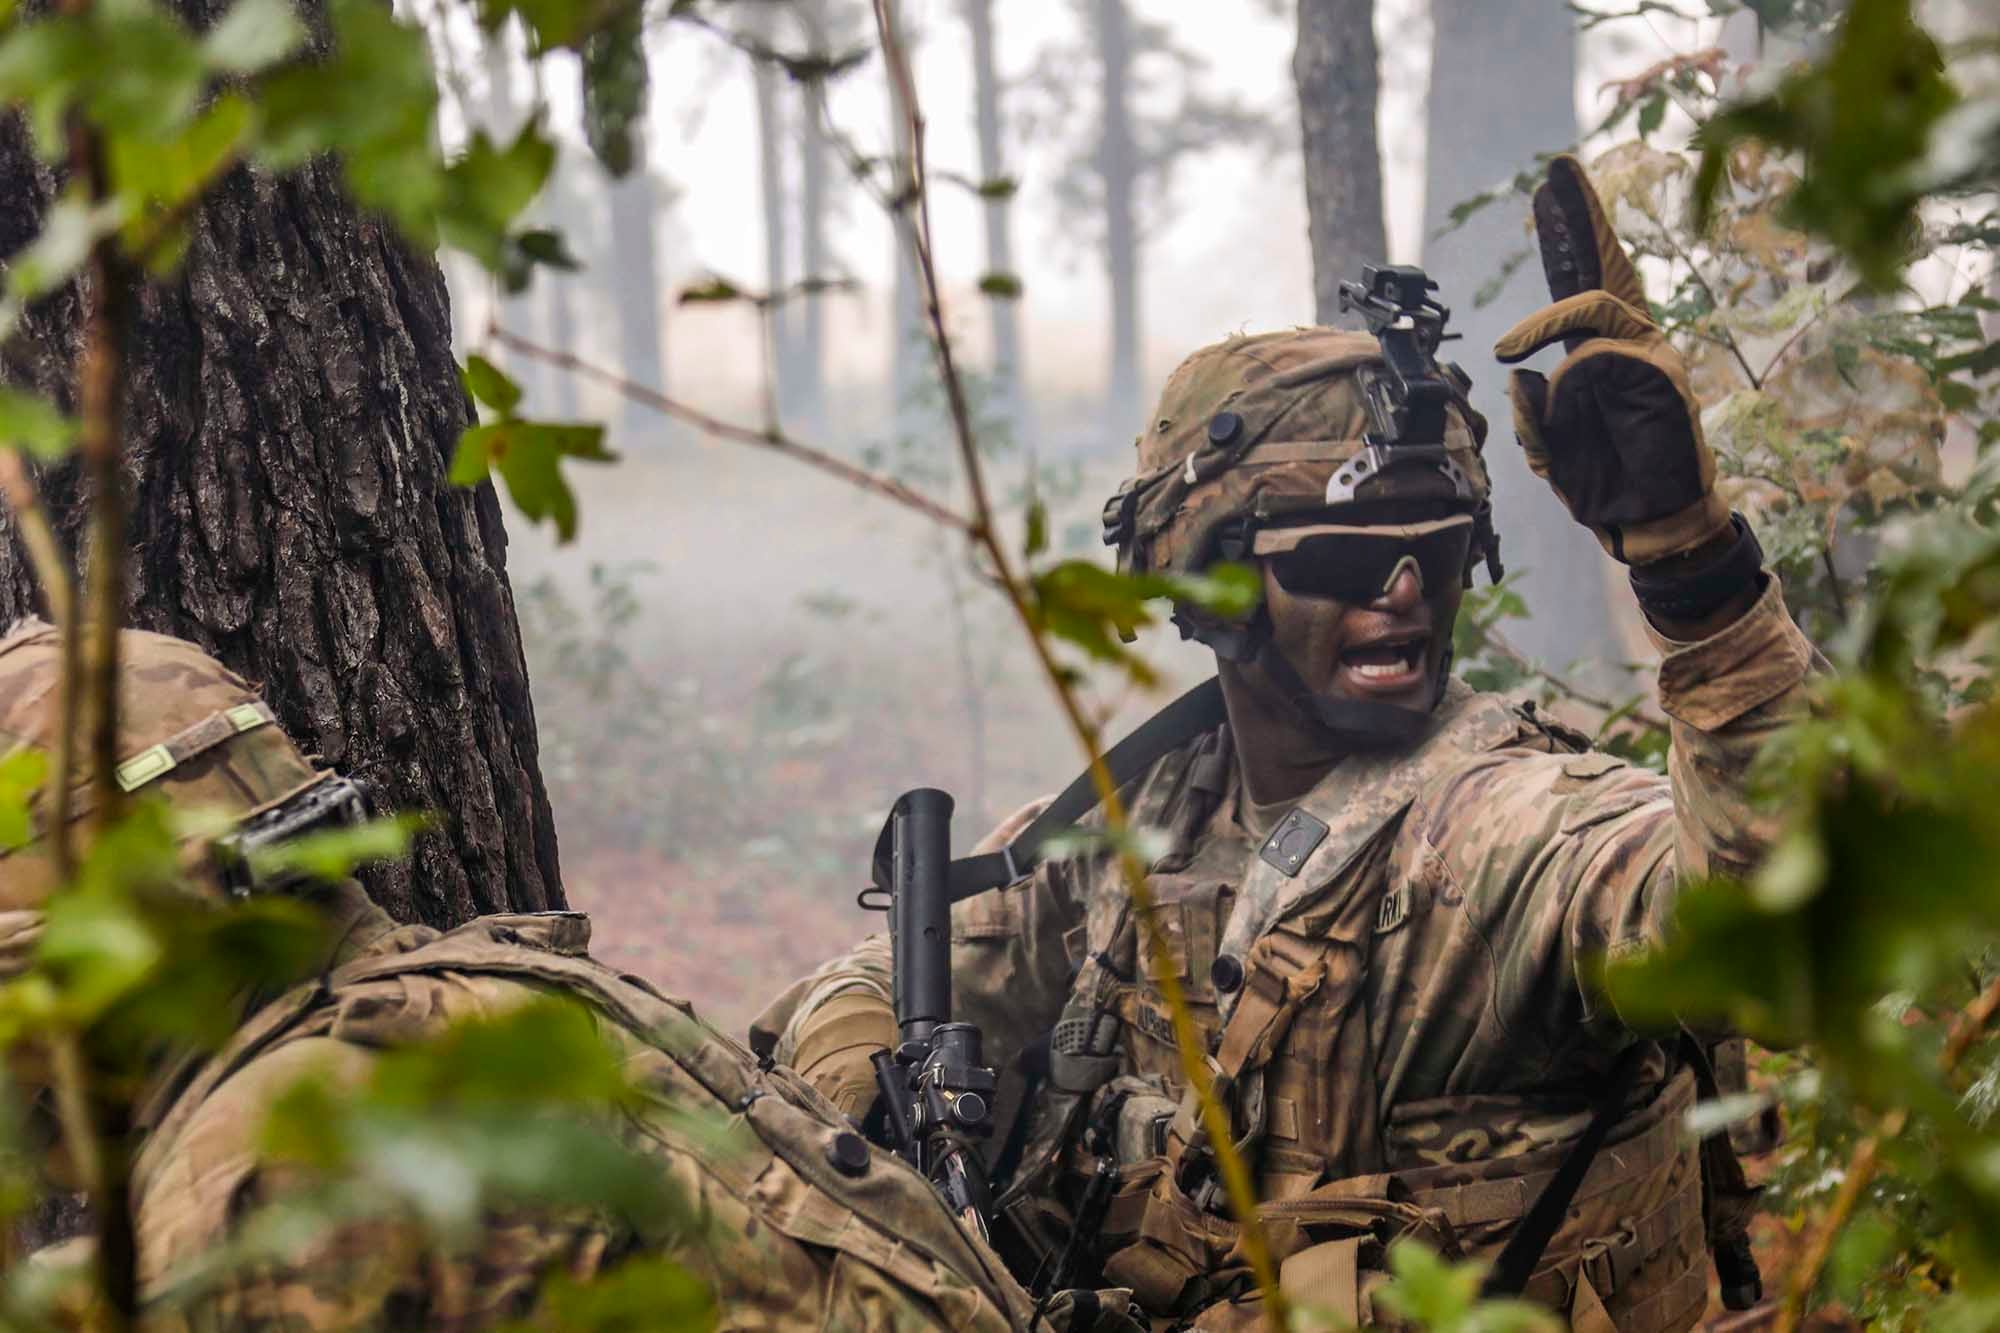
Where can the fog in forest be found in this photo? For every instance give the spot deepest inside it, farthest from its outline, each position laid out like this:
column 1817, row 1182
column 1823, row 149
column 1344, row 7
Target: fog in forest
column 740, row 661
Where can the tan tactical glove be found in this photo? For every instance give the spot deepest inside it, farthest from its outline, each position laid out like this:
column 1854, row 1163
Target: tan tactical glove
column 835, row 1043
column 1616, row 430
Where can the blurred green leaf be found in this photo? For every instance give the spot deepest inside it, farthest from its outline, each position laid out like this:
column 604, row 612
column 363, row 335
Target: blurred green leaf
column 1037, row 539
column 485, row 190
column 1863, row 117
column 614, row 89
column 528, row 456
column 1000, row 187
column 640, row 1295
column 34, row 425
column 22, row 773
column 158, row 177
column 1652, row 114
column 373, row 99
column 1007, row 286
column 331, row 855
column 715, row 289
column 252, row 36
column 490, row 385
column 1442, row 1297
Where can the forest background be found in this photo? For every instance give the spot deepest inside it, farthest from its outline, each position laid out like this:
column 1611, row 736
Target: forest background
column 268, row 430
column 740, row 662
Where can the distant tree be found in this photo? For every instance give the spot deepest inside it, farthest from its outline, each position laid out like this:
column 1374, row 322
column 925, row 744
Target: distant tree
column 631, row 279
column 1502, row 90
column 909, row 360
column 1003, row 310
column 774, row 130
column 1334, row 68
column 1111, row 184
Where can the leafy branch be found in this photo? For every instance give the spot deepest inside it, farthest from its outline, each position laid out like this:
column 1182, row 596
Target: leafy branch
column 768, row 437
column 912, row 195
column 1867, row 1160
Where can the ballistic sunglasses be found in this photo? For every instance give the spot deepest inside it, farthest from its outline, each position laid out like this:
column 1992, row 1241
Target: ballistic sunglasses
column 1356, row 563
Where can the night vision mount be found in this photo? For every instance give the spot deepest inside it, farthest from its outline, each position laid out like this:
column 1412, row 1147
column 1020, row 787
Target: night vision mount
column 1408, row 399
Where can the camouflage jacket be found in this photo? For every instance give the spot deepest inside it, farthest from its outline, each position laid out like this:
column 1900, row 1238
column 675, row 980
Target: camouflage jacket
column 1413, row 944
column 784, row 1239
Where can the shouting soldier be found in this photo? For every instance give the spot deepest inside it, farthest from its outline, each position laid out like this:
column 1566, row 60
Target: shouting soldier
column 1383, row 892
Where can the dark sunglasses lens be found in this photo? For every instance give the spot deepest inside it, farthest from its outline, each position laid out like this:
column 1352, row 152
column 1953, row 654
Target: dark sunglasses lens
column 1356, row 567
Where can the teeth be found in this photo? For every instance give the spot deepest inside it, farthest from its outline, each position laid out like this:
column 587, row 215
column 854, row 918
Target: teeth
column 1379, row 670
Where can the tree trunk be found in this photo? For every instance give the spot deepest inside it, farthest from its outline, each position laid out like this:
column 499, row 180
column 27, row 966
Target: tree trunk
column 1118, row 167
column 910, row 357
column 632, row 284
column 293, row 409
column 771, row 175
column 807, row 373
column 1334, row 67
column 1502, row 90
column 1003, row 311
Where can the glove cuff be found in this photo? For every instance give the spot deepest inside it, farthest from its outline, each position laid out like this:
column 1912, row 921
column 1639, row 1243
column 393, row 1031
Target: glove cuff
column 1694, row 594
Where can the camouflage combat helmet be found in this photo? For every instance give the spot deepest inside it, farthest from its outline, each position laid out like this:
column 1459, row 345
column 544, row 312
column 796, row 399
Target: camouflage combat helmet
column 188, row 728
column 1262, row 428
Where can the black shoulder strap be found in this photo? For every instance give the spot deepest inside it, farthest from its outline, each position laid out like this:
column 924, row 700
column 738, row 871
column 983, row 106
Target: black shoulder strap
column 1199, row 710
column 1532, row 1235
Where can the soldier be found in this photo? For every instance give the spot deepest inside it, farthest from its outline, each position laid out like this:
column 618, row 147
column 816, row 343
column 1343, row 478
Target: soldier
column 1383, row 891
column 801, row 1224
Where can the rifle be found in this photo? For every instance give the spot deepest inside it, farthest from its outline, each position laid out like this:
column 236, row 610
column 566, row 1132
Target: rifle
column 936, row 1089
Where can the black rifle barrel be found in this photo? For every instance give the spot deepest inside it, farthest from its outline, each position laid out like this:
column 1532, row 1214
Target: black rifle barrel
column 920, row 911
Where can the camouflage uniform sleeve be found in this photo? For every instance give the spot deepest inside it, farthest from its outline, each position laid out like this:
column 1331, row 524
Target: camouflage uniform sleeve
column 1010, row 966
column 1561, row 858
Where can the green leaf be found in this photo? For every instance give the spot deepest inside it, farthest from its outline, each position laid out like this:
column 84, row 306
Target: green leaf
column 22, row 773
column 1000, row 187
column 545, row 247
column 490, row 385
column 1652, row 114
column 1004, row 285
column 332, row 855
column 486, row 189
column 33, row 424
column 527, row 455
column 373, row 100
column 1863, row 117
column 1037, row 539
column 715, row 290
column 159, row 177
column 640, row 1293
column 252, row 36
column 70, row 228
column 614, row 89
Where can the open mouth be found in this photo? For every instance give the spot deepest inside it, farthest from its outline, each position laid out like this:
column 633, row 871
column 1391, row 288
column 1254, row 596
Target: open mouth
column 1387, row 665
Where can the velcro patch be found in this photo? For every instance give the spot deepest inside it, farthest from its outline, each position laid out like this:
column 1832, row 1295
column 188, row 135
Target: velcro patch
column 1394, row 911
column 1292, row 842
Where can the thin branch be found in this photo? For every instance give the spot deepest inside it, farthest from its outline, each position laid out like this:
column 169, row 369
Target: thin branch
column 1503, row 646
column 1867, row 1159
column 776, row 441
column 915, row 195
column 38, row 536
column 1714, row 303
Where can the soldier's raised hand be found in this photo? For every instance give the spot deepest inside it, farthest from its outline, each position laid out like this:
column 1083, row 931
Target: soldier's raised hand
column 1615, row 430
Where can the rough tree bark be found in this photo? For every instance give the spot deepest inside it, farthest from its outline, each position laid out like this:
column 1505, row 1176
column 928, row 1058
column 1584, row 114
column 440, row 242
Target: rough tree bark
column 1118, row 167
column 1334, row 67
column 292, row 411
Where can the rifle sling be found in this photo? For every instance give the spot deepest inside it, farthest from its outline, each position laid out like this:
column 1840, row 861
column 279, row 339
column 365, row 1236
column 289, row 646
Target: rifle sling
column 1198, row 711
column 1532, row 1235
